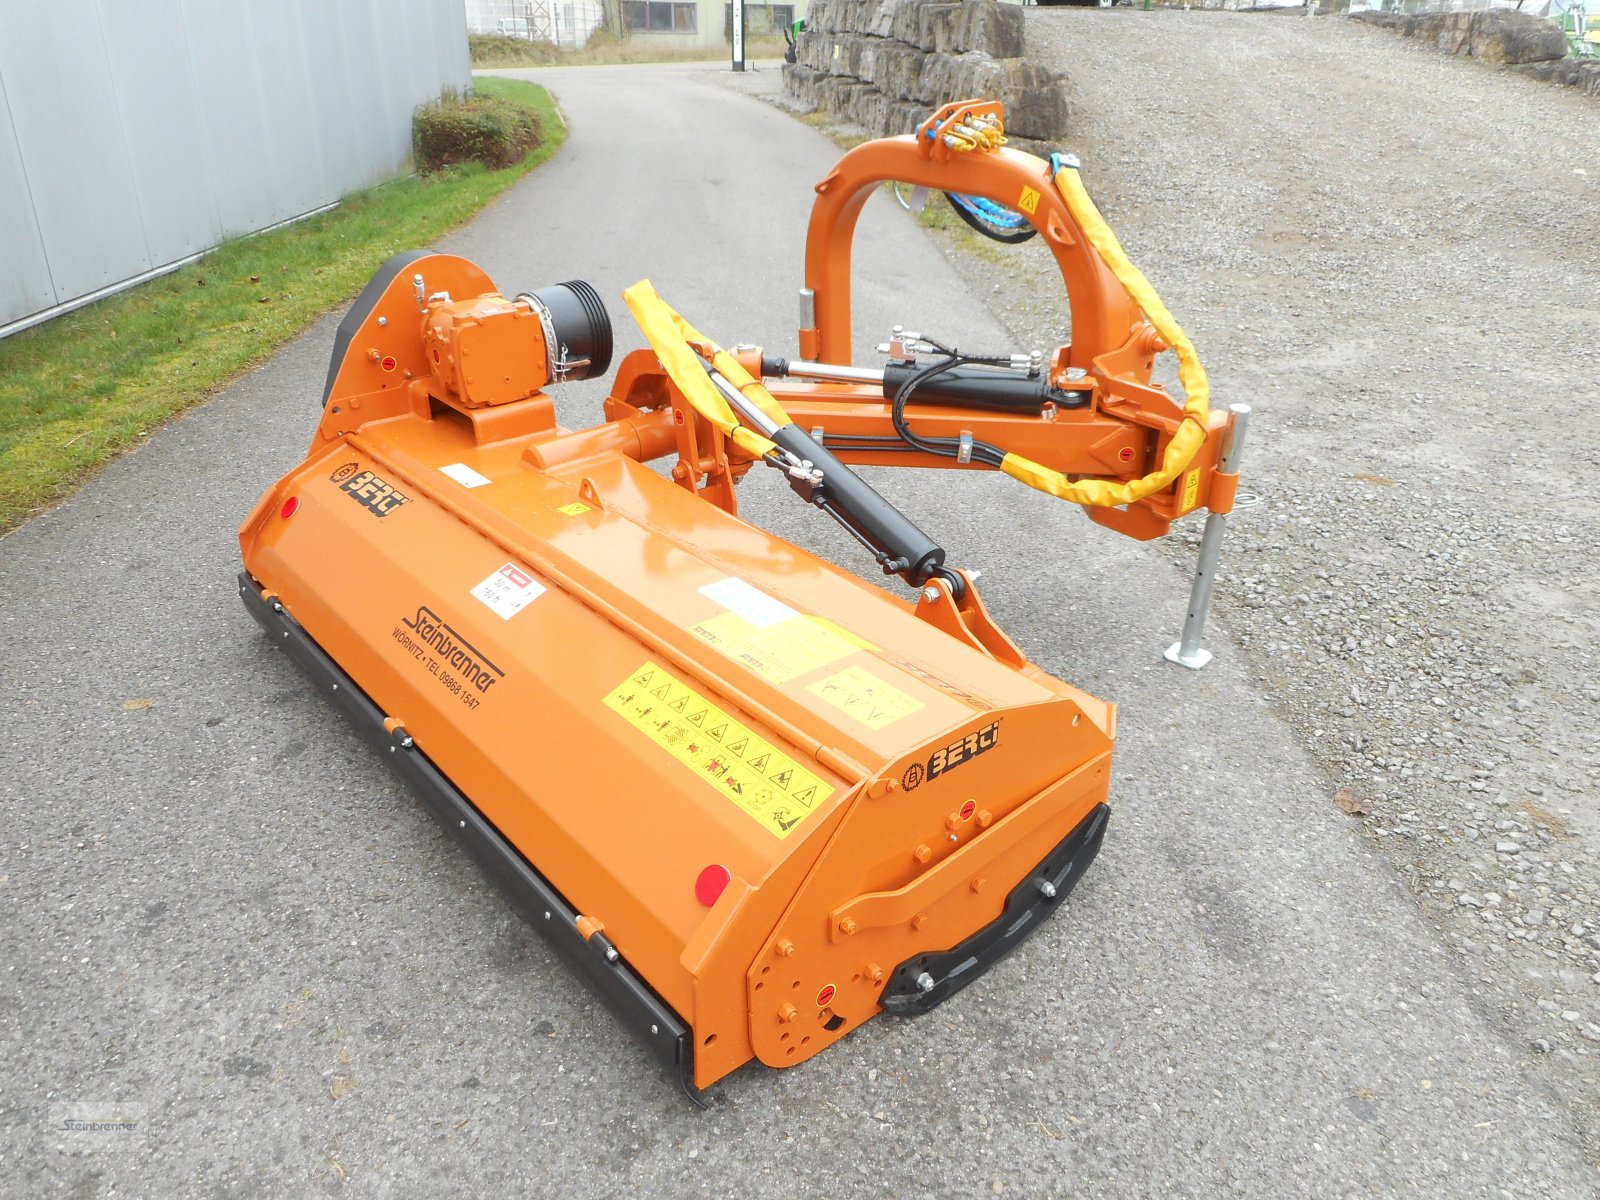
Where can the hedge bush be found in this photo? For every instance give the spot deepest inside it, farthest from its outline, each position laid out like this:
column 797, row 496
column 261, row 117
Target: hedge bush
column 493, row 50
column 486, row 129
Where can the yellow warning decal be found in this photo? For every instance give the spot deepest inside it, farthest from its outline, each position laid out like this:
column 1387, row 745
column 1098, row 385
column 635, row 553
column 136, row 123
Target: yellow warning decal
column 1029, row 203
column 1191, row 491
column 780, row 652
column 575, row 509
column 764, row 782
column 862, row 695
column 855, row 639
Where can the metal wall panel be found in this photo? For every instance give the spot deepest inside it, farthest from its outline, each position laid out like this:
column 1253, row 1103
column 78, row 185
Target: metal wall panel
column 233, row 105
column 367, row 70
column 24, row 271
column 64, row 113
column 161, row 122
column 393, row 38
column 339, row 75
column 302, row 179
column 133, row 135
column 454, row 54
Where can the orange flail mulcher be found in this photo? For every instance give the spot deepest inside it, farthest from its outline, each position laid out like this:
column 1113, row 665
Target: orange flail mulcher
column 757, row 799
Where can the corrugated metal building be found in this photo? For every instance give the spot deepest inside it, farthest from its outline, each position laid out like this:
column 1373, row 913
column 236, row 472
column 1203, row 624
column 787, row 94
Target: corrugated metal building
column 136, row 134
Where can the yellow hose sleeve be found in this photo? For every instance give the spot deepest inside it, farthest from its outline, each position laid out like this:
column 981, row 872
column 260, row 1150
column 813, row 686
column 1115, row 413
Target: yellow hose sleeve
column 669, row 336
column 1191, row 434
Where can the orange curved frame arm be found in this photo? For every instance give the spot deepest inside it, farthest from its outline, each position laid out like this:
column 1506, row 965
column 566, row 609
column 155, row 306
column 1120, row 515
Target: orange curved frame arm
column 1103, row 314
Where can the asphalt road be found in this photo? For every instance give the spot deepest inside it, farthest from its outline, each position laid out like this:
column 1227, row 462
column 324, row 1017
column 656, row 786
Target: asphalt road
column 217, row 905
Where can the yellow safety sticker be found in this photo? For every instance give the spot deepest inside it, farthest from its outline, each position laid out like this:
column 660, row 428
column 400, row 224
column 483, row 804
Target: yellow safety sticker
column 855, row 639
column 768, row 785
column 780, row 652
column 866, row 698
column 1191, row 490
column 575, row 509
column 1030, row 200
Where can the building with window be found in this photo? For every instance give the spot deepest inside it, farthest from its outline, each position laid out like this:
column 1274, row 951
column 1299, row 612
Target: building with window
column 678, row 23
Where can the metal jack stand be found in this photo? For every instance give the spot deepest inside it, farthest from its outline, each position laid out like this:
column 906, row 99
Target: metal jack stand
column 1187, row 650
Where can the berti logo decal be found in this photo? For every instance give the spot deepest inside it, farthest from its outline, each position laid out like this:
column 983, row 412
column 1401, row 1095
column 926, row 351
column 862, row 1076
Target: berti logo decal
column 367, row 489
column 958, row 753
column 454, row 651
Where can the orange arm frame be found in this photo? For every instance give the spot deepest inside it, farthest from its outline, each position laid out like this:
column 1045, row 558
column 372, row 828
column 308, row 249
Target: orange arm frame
column 1103, row 315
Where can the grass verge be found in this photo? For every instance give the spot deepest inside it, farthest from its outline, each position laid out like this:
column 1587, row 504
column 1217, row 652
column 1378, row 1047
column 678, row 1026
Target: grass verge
column 80, row 389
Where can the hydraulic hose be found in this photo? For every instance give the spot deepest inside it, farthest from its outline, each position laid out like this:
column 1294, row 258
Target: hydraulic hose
column 723, row 392
column 1191, row 432
column 669, row 336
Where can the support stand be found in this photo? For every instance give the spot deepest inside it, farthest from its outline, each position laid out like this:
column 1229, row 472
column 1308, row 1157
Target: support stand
column 1187, row 650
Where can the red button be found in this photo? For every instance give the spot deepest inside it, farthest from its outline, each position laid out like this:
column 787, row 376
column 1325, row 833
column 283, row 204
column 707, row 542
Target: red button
column 825, row 996
column 967, row 809
column 710, row 884
column 290, row 507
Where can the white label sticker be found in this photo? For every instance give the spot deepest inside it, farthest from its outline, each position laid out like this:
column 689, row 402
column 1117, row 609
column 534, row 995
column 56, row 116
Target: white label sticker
column 509, row 590
column 464, row 475
column 754, row 605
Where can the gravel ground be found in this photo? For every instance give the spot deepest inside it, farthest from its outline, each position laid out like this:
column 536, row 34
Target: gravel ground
column 1391, row 254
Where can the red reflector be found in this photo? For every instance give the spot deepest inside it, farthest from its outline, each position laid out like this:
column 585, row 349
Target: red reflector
column 290, row 507
column 1126, row 454
column 825, row 996
column 710, row 884
column 388, row 363
column 967, row 809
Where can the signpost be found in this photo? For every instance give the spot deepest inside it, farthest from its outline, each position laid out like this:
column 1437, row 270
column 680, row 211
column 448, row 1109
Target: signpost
column 738, row 35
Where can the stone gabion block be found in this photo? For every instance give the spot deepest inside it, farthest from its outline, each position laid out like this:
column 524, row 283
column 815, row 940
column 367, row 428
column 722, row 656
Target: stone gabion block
column 886, row 64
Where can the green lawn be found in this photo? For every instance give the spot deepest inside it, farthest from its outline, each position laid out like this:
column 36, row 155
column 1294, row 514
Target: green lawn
column 78, row 390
